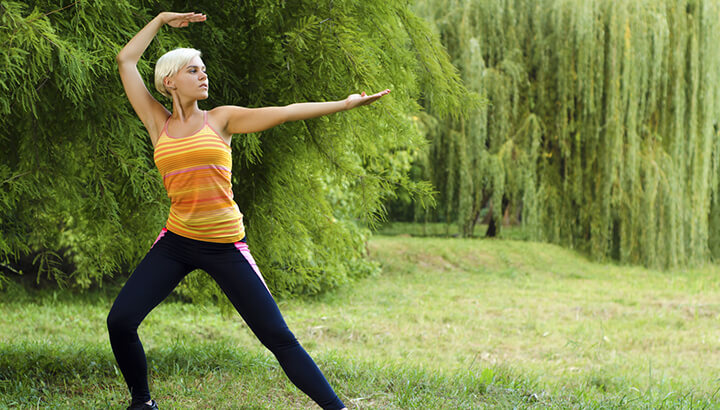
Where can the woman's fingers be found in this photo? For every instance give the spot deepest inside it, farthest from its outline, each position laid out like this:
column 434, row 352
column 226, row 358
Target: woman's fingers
column 191, row 14
column 381, row 93
column 356, row 100
column 374, row 97
column 184, row 19
column 194, row 17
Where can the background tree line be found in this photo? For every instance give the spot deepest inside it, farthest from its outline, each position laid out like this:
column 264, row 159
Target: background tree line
column 600, row 131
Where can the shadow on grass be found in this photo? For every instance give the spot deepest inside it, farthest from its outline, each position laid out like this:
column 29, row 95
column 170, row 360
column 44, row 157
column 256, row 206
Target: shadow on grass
column 56, row 363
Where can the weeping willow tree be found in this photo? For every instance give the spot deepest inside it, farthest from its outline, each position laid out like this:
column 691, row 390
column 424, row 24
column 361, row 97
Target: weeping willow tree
column 80, row 197
column 601, row 129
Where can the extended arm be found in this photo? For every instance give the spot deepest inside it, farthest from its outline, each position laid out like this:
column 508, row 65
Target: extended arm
column 244, row 120
column 151, row 112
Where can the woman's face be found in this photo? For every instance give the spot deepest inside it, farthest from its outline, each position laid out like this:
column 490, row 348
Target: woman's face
column 191, row 82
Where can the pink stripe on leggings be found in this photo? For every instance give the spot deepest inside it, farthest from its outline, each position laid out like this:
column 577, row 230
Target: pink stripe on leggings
column 162, row 233
column 245, row 251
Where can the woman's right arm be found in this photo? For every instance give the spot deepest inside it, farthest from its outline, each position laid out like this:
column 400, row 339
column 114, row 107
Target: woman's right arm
column 151, row 112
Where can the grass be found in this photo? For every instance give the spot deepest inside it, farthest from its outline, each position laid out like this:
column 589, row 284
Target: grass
column 450, row 323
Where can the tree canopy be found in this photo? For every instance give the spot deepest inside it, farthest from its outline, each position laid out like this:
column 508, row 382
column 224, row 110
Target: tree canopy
column 80, row 196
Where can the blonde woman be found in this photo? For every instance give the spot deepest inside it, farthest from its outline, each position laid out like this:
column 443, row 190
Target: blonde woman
column 204, row 229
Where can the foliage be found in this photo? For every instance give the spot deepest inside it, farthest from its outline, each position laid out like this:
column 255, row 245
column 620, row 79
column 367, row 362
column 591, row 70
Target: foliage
column 601, row 129
column 81, row 199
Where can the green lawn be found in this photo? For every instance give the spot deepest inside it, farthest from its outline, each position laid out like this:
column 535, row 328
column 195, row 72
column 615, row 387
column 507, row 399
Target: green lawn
column 449, row 323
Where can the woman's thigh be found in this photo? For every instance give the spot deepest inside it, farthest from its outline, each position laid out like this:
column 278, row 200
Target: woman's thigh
column 151, row 282
column 241, row 281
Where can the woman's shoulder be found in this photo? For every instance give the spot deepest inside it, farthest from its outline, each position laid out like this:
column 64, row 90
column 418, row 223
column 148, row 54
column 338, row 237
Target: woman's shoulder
column 225, row 110
column 161, row 121
column 217, row 119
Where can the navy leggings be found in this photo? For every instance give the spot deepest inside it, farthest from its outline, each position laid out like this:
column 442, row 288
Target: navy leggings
column 230, row 264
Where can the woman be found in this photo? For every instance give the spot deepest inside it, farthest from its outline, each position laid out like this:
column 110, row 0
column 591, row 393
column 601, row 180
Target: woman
column 204, row 229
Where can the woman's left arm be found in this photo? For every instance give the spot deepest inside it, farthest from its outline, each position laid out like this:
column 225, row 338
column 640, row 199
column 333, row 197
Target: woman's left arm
column 238, row 120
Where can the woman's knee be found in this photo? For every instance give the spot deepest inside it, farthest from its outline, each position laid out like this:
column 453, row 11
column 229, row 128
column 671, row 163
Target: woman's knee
column 118, row 322
column 279, row 338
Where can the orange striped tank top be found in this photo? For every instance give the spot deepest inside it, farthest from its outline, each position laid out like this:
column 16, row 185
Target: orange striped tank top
column 196, row 173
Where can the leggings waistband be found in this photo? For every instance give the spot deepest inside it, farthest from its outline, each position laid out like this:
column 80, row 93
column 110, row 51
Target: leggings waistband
column 195, row 242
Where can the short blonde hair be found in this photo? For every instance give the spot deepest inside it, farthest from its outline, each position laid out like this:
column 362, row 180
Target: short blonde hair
column 170, row 63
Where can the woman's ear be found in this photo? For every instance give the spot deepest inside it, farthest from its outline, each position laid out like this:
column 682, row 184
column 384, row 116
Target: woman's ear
column 169, row 83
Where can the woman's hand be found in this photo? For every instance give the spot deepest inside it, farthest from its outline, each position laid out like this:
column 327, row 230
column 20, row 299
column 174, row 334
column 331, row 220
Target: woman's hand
column 356, row 100
column 180, row 19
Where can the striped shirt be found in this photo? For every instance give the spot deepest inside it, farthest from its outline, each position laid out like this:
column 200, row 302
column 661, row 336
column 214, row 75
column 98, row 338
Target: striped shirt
column 196, row 173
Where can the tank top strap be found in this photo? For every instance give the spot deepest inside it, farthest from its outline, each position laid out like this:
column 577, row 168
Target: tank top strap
column 165, row 130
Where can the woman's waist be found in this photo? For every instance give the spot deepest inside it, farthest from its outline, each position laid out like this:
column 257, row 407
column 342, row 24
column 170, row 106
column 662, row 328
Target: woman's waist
column 210, row 243
column 216, row 227
column 201, row 201
column 199, row 213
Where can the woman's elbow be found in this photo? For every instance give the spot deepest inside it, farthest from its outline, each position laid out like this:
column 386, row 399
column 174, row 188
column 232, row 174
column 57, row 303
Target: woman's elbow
column 122, row 58
column 287, row 113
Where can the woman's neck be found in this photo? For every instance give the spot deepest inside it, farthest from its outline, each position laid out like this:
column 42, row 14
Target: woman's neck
column 183, row 110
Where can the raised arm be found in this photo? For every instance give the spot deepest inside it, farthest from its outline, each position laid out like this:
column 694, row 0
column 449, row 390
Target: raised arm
column 238, row 120
column 151, row 112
